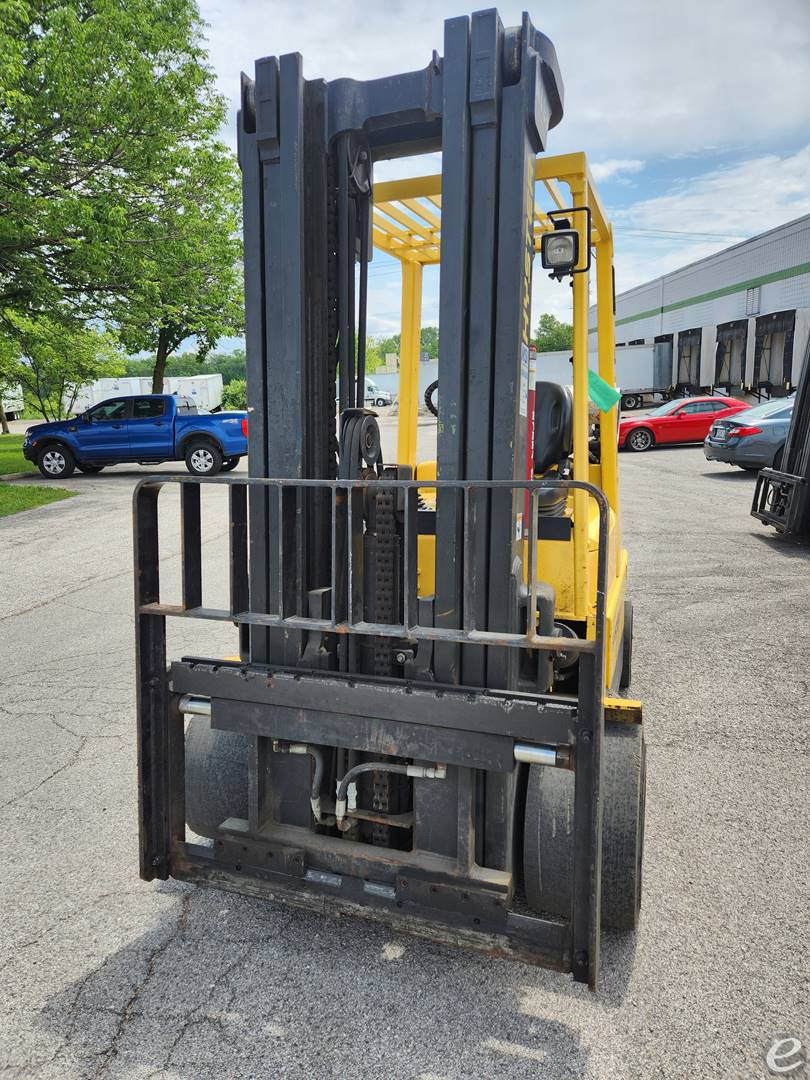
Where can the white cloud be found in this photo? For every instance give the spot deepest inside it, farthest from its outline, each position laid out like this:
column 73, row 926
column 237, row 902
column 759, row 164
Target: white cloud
column 709, row 213
column 640, row 78
column 614, row 167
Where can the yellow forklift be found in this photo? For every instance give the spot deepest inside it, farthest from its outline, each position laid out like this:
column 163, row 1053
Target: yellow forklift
column 423, row 723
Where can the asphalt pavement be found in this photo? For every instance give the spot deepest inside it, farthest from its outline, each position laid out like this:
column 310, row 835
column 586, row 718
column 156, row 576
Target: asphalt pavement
column 104, row 975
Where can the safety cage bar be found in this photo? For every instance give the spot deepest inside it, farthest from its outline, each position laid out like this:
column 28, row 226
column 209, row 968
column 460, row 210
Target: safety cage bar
column 347, row 595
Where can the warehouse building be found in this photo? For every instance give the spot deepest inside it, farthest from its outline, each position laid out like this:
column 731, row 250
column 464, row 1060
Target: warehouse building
column 737, row 322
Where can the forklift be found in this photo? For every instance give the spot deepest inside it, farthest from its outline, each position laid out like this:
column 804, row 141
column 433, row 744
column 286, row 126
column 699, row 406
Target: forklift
column 782, row 496
column 424, row 724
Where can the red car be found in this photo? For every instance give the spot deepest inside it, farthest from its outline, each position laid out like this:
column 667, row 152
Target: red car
column 684, row 420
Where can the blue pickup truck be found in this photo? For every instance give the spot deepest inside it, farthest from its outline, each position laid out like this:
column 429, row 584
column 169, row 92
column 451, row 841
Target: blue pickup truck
column 146, row 429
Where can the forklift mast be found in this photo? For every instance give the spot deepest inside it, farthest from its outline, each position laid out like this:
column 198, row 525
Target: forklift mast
column 403, row 678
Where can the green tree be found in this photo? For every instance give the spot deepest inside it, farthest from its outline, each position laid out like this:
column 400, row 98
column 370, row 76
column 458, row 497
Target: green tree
column 101, row 105
column 51, row 359
column 234, row 395
column 551, row 334
column 186, row 270
column 429, row 341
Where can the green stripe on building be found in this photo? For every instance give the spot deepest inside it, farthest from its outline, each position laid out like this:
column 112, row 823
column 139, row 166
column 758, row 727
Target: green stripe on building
column 727, row 290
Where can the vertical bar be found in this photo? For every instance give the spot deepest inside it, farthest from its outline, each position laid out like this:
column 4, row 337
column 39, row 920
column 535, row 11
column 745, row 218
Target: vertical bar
column 410, row 563
column 334, row 558
column 606, row 333
column 280, row 551
column 587, row 877
column 466, row 820
column 581, row 471
column 152, row 692
column 410, row 343
column 469, row 577
column 191, row 545
column 237, row 498
column 531, row 625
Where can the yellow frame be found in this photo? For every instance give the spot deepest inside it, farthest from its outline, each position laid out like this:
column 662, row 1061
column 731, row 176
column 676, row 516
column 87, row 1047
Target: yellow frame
column 410, row 231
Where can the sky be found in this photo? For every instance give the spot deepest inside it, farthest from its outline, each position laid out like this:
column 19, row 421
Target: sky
column 695, row 115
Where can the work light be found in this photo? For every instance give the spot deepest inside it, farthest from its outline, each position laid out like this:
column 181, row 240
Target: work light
column 559, row 250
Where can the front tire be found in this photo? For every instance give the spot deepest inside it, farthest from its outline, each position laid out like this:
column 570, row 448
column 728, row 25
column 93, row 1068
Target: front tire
column 380, row 402
column 56, row 462
column 203, row 458
column 216, row 776
column 548, row 844
column 639, row 440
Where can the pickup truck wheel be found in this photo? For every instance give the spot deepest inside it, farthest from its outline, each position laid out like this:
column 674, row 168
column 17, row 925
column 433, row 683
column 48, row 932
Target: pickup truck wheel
column 230, row 463
column 203, row 458
column 548, row 847
column 56, row 462
column 91, row 470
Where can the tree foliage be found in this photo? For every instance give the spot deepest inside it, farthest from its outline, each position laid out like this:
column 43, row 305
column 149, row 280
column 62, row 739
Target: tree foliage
column 229, row 365
column 118, row 201
column 234, row 395
column 552, row 334
column 51, row 359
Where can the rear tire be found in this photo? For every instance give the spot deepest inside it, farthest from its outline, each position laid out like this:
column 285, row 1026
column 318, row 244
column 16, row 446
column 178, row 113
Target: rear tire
column 56, row 462
column 91, row 470
column 639, row 440
column 203, row 458
column 216, row 776
column 631, row 401
column 548, row 846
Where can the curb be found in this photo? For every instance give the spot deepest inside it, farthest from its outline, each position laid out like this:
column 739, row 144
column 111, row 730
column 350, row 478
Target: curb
column 17, row 475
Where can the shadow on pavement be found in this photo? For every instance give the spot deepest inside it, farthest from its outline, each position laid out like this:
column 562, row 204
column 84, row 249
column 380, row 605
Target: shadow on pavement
column 225, row 985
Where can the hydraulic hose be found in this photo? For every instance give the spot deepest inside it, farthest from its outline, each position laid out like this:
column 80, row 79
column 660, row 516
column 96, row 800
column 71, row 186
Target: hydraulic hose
column 428, row 772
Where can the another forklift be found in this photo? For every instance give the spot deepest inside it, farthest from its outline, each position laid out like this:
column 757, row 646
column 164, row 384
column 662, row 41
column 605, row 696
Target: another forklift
column 422, row 725
column 782, row 496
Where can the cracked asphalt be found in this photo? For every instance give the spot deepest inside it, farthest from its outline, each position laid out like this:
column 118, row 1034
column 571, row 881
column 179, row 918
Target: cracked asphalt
column 103, row 975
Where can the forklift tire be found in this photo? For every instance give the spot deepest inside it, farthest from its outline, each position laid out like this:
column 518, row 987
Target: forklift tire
column 216, row 776
column 430, row 405
column 627, row 647
column 90, row 470
column 548, row 845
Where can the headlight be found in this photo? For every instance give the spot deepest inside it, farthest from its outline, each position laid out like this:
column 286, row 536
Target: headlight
column 559, row 250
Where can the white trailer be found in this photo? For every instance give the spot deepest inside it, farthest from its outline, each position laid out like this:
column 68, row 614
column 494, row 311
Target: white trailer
column 101, row 389
column 12, row 402
column 204, row 390
column 642, row 371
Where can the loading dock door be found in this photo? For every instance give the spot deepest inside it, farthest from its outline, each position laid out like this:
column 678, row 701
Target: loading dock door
column 689, row 359
column 662, row 362
column 730, row 363
column 773, row 350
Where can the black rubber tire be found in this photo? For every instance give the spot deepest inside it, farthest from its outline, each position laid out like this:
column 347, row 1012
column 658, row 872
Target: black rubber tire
column 49, row 458
column 627, row 647
column 429, row 392
column 548, row 831
column 230, row 463
column 639, row 439
column 199, row 450
column 216, row 776
column 91, row 470
column 380, row 402
column 631, row 401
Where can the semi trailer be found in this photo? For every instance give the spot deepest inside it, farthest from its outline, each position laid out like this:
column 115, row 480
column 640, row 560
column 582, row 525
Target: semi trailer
column 643, row 372
column 423, row 721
